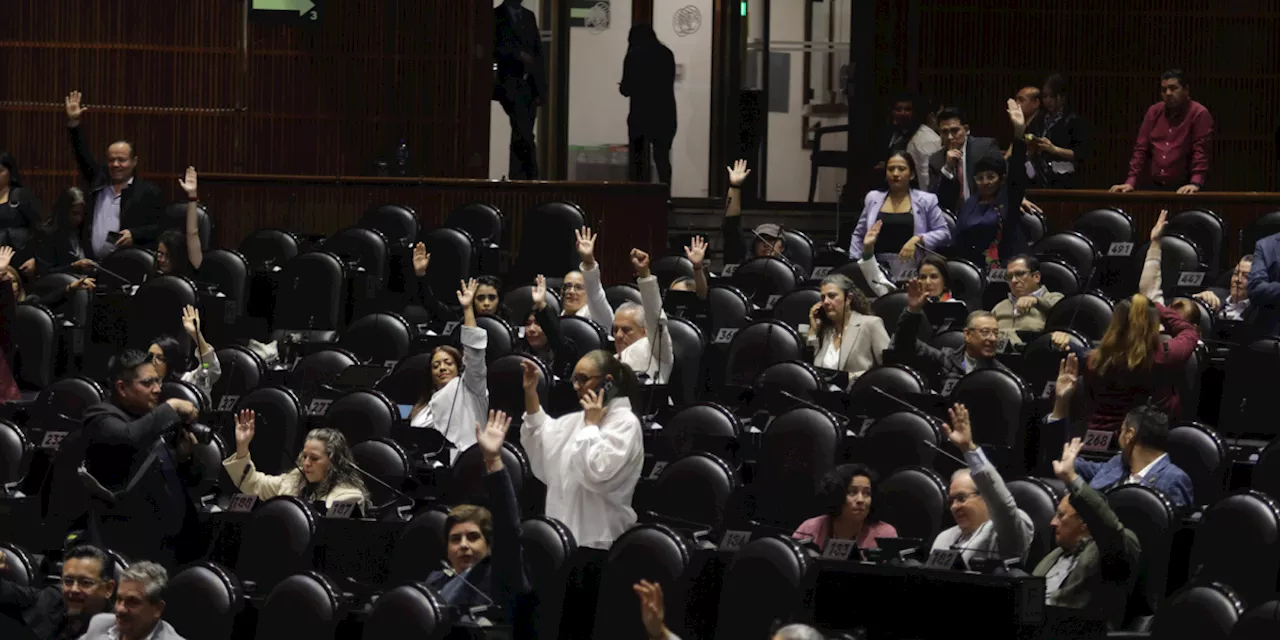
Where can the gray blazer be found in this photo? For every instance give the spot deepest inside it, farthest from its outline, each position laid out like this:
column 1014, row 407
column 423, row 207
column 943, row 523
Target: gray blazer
column 864, row 340
column 1007, row 534
column 101, row 625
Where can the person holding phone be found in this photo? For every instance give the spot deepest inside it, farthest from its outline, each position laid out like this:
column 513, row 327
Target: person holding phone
column 1058, row 141
column 590, row 460
column 844, row 334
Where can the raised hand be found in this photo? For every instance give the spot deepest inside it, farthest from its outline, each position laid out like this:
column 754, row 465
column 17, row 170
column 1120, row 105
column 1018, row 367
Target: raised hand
column 467, row 294
column 1016, row 117
column 244, row 431
column 74, row 108
column 915, row 295
column 869, row 240
column 6, row 256
column 586, row 245
column 959, row 432
column 696, row 252
column 738, row 173
column 1068, row 375
column 640, row 262
column 1065, row 467
column 592, row 407
column 188, row 182
column 421, row 259
column 652, row 609
column 490, row 438
column 191, row 321
column 540, row 293
column 1157, row 229
column 529, row 375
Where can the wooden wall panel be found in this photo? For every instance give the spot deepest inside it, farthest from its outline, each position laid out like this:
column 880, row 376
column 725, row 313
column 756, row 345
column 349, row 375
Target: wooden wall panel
column 327, row 99
column 978, row 53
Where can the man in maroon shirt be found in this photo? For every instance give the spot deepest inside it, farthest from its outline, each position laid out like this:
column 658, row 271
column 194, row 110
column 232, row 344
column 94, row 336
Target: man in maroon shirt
column 1172, row 151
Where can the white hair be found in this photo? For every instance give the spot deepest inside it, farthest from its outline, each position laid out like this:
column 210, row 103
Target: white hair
column 631, row 307
column 151, row 576
column 962, row 471
column 798, row 632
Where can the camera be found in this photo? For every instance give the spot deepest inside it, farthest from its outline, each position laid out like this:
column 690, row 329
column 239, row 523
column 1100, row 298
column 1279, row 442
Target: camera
column 203, row 434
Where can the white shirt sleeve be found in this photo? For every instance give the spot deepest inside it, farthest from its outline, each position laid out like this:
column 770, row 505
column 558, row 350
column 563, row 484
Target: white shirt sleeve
column 532, row 433
column 598, row 455
column 875, row 278
column 656, row 328
column 475, row 373
column 597, row 303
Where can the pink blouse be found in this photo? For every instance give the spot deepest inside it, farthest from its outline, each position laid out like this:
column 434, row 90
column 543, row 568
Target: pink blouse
column 816, row 529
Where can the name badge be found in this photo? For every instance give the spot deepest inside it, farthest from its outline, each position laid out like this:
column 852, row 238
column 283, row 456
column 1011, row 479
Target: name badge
column 944, row 559
column 242, row 503
column 949, row 386
column 838, row 549
column 390, row 364
column 1120, row 250
column 734, row 540
column 1049, row 388
column 1095, row 440
column 449, row 327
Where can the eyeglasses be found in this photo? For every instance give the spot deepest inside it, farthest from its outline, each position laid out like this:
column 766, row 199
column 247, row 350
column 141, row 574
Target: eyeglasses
column 83, row 583
column 986, row 333
column 579, row 379
column 573, row 286
column 1014, row 275
column 960, row 498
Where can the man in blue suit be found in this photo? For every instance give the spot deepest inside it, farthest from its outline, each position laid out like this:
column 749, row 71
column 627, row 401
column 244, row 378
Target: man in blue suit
column 1264, row 285
column 1143, row 438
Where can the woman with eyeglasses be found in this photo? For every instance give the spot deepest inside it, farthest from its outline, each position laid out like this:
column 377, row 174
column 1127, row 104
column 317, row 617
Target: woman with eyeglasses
column 457, row 393
column 174, row 359
column 590, row 460
column 581, row 294
column 989, row 223
column 326, row 468
column 847, row 492
column 178, row 252
column 542, row 337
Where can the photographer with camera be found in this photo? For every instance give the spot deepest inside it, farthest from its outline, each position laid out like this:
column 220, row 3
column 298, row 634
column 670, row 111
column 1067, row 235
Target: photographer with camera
column 139, row 449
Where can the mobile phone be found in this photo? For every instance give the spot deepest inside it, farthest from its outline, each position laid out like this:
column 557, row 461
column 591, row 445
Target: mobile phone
column 606, row 391
column 113, row 236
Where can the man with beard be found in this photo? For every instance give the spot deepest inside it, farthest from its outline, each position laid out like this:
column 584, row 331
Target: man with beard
column 63, row 611
column 1143, row 438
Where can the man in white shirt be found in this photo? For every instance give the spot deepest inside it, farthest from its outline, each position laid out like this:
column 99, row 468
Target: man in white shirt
column 635, row 326
column 989, row 524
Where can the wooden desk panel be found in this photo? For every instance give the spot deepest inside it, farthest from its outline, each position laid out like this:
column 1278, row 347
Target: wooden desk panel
column 1237, row 209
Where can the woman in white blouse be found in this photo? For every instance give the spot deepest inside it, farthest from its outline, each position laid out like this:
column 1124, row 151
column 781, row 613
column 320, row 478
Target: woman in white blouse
column 590, row 460
column 326, row 469
column 582, row 294
column 842, row 330
column 457, row 393
column 173, row 359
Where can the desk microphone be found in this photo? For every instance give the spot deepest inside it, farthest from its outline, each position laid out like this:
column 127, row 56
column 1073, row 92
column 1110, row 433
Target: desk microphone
column 399, row 495
column 907, row 405
column 1010, row 565
column 943, row 452
column 478, row 609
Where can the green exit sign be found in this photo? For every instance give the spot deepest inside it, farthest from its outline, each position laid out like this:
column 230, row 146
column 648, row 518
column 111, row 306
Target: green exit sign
column 286, row 11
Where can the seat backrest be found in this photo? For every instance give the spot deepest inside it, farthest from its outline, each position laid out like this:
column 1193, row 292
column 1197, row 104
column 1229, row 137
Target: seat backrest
column 1198, row 450
column 794, row 377
column 308, row 605
column 398, row 224
column 645, row 552
column 1179, row 258
column 312, row 293
column 585, row 335
column 362, row 414
column 621, row 293
column 1149, row 515
column 669, row 268
column 1238, row 543
column 705, row 427
column 1040, row 502
column 1104, row 226
column 407, row 381
column 501, row 336
column 797, row 450
column 1073, row 247
column 184, row 390
column 365, row 248
column 35, row 337
column 176, row 218
column 757, row 346
column 547, row 546
column 156, row 309
column 1249, row 402
column 320, row 367
column 482, row 221
column 1060, row 277
column 520, row 302
column 242, row 371
column 1202, row 611
column 229, row 271
column 898, row 380
column 687, row 345
column 378, row 338
column 1267, row 224
column 202, row 601
column 421, row 547
column 765, row 582
column 454, row 257
column 730, row 308
column 14, row 448
column 695, row 488
column 505, row 379
column 1087, row 313
column 1258, row 623
column 1034, row 226
column 277, row 541
column 798, row 248
column 889, row 308
column 468, row 484
column 893, row 442
column 386, row 460
column 967, row 282
column 915, row 501
column 134, row 264
column 61, row 405
column 19, row 567
column 547, row 243
column 763, row 277
column 999, row 405
column 408, row 611
column 1266, row 473
column 268, row 247
column 951, row 339
column 1207, row 230
column 793, row 308
column 278, row 422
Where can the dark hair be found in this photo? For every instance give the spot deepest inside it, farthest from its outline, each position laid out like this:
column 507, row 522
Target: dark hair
column 1057, row 84
column 478, row 515
column 954, row 113
column 1032, row 262
column 917, row 108
column 624, row 379
column 1176, row 74
column 501, row 310
column 911, row 164
column 176, row 243
column 90, row 552
column 939, row 263
column 991, row 162
column 1150, row 426
column 61, row 220
column 133, row 151
column 177, row 357
column 123, row 367
column 9, row 162
column 835, row 487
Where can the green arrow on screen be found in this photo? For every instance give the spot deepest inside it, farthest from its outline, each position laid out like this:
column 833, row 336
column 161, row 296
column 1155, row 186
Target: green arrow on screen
column 300, row 6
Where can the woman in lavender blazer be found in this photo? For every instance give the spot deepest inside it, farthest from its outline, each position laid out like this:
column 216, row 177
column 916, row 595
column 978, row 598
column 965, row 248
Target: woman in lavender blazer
column 929, row 229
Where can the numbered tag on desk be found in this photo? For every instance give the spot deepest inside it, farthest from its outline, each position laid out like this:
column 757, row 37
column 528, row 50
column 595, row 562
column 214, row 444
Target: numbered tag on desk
column 820, row 272
column 390, row 364
column 52, row 440
column 449, row 327
column 1120, row 250
column 230, row 311
column 1002, row 345
column 866, row 424
column 838, row 549
column 228, row 403
column 1097, row 440
column 1049, row 388
column 725, row 335
column 728, row 270
column 942, row 559
column 949, row 386
column 341, row 510
column 734, row 540
column 1190, row 278
column 657, row 469
column 319, row 407
column 242, row 503
column 996, row 275
column 773, row 299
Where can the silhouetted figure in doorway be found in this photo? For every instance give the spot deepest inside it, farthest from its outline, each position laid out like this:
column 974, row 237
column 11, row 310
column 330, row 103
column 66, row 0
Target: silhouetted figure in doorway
column 519, row 85
column 648, row 78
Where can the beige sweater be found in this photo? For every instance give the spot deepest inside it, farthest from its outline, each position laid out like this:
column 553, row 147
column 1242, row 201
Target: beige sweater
column 249, row 480
column 1032, row 320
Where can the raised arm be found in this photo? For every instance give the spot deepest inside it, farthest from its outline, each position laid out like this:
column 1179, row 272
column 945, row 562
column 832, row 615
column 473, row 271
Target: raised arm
column 603, row 448
column 655, row 319
column 1105, row 527
column 735, row 250
column 696, row 252
column 1184, row 336
column 597, row 302
column 508, row 552
column 426, row 296
column 239, row 467
column 84, row 158
column 195, row 252
column 1149, row 283
column 1016, row 179
column 906, row 340
column 1013, row 529
column 475, row 372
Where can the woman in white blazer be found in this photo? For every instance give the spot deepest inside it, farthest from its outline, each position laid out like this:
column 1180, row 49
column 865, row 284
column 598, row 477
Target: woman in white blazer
column 590, row 460
column 457, row 394
column 842, row 330
column 325, row 470
column 901, row 235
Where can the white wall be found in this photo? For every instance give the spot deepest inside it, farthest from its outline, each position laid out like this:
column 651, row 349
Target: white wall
column 691, row 150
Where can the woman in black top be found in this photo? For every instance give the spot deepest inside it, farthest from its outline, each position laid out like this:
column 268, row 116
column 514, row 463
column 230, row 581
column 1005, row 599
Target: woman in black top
column 19, row 208
column 56, row 246
column 989, row 224
column 1061, row 139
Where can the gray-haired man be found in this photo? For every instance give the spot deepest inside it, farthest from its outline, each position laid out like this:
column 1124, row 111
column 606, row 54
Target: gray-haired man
column 139, row 607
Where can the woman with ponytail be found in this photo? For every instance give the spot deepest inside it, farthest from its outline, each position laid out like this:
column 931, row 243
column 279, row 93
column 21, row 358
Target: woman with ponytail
column 1132, row 364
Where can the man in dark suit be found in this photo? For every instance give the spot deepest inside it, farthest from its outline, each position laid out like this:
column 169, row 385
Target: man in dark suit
column 137, row 449
column 1264, row 286
column 519, row 85
column 952, row 170
column 648, row 78
column 117, row 201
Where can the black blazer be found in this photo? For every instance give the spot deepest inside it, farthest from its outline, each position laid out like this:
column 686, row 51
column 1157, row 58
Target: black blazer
column 19, row 218
column 509, row 40
column 141, row 205
column 947, row 189
column 648, row 78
